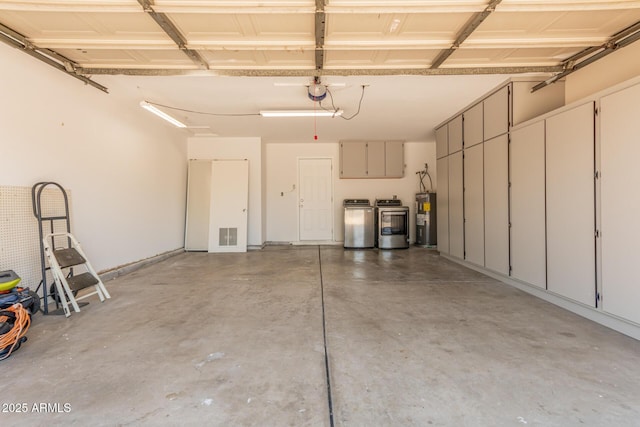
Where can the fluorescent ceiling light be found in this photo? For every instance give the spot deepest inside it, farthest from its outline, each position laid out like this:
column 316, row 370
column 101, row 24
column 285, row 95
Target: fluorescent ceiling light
column 159, row 113
column 300, row 113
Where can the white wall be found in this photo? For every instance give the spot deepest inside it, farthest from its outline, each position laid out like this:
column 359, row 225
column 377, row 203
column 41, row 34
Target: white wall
column 237, row 148
column 125, row 168
column 615, row 68
column 282, row 176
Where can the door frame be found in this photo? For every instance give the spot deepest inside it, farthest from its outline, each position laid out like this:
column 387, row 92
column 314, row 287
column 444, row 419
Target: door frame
column 298, row 195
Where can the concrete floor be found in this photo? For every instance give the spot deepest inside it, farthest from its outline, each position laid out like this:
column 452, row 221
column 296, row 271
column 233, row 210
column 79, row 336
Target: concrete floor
column 237, row 339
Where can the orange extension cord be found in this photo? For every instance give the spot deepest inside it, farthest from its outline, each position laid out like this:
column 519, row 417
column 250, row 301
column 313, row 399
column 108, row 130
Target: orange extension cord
column 20, row 328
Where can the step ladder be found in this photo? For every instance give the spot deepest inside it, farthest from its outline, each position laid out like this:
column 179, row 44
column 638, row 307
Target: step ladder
column 68, row 284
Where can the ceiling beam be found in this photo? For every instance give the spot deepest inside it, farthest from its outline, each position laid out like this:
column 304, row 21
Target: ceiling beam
column 172, row 31
column 466, row 31
column 590, row 55
column 49, row 57
column 324, row 72
column 320, row 32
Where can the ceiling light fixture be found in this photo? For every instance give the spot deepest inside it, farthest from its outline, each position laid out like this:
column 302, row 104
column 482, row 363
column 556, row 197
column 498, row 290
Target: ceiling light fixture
column 300, row 113
column 159, row 113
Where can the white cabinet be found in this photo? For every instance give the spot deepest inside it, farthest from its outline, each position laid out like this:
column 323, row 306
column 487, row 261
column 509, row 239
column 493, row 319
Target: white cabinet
column 474, row 205
column 455, row 134
column 620, row 205
column 570, row 201
column 371, row 159
column 353, row 159
column 394, row 159
column 496, row 204
column 376, row 159
column 478, row 228
column 442, row 141
column 496, row 113
column 526, row 165
column 443, row 204
column 473, row 125
column 456, row 206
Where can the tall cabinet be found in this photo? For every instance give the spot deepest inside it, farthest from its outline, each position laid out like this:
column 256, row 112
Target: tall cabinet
column 473, row 146
column 619, row 206
column 548, row 197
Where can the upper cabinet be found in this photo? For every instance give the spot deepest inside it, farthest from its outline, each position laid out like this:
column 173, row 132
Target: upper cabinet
column 376, row 164
column 371, row 159
column 496, row 113
column 394, row 159
column 449, row 137
column 473, row 125
column 455, row 134
column 442, row 141
column 353, row 159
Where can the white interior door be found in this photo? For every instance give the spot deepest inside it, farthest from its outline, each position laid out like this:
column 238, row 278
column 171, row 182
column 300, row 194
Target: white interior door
column 315, row 199
column 229, row 206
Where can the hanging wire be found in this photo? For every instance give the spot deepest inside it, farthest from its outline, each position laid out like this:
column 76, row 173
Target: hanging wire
column 335, row 109
column 203, row 112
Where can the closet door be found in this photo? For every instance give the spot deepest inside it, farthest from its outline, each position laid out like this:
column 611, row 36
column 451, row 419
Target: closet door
column 443, row 205
column 473, row 126
column 442, row 141
column 528, row 250
column 474, row 205
column 454, row 129
column 198, row 198
column 456, row 206
column 571, row 250
column 496, row 204
column 496, row 113
column 620, row 228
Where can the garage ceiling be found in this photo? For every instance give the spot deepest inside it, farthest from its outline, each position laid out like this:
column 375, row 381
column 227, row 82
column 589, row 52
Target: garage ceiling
column 288, row 42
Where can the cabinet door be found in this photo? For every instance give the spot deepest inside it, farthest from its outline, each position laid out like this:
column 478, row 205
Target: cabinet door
column 442, row 141
column 394, row 155
column 442, row 166
column 619, row 154
column 353, row 159
column 571, row 250
column 474, row 205
column 496, row 113
column 528, row 253
column 375, row 159
column 456, row 206
column 455, row 134
column 473, row 124
column 496, row 204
